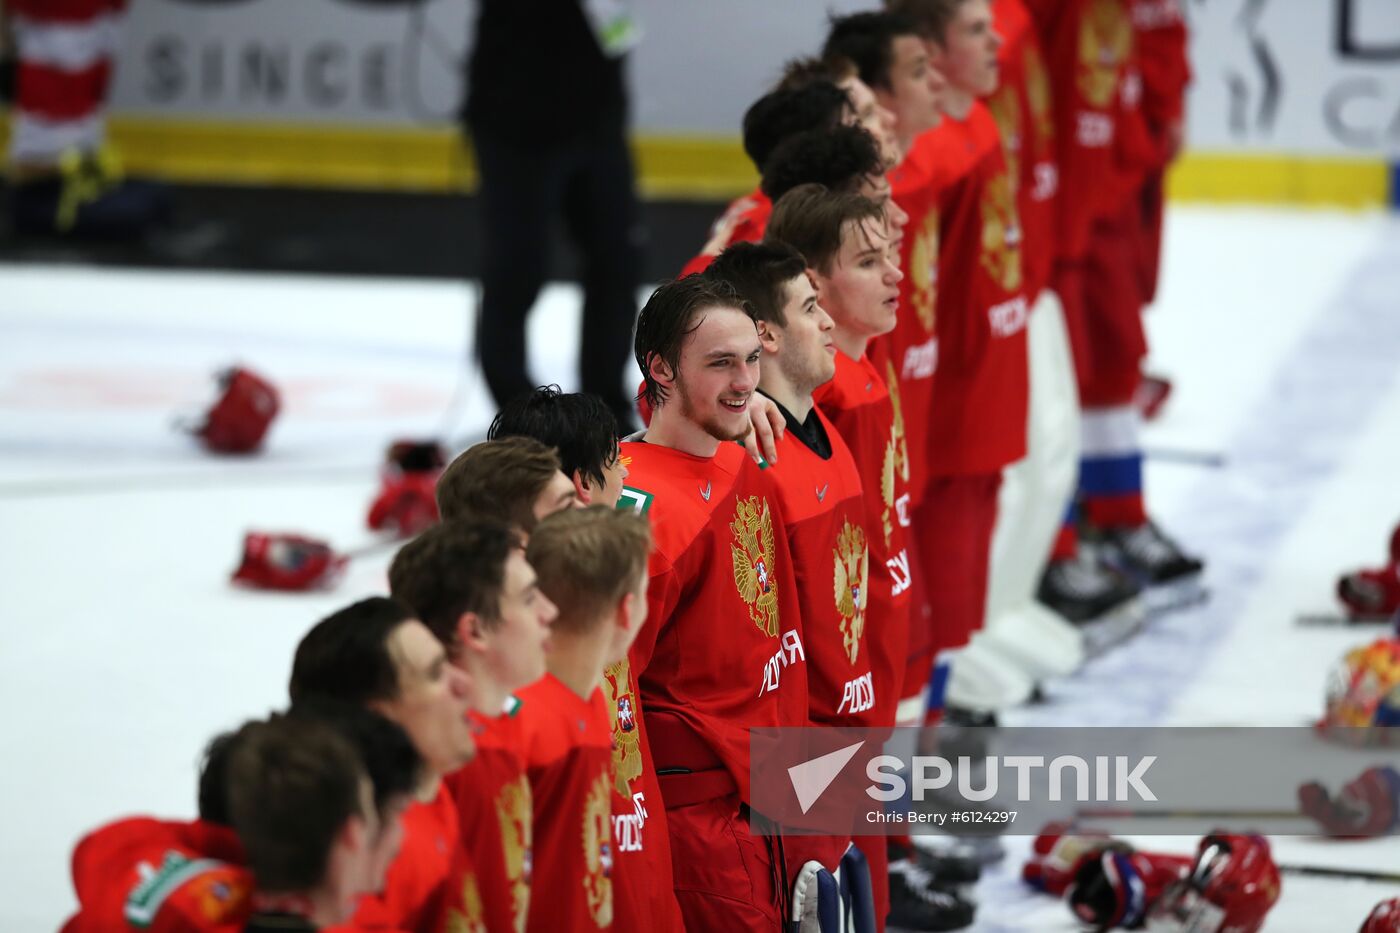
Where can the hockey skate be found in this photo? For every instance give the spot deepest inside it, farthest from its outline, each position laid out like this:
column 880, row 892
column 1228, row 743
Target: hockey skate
column 1102, row 603
column 919, row 902
column 1170, row 577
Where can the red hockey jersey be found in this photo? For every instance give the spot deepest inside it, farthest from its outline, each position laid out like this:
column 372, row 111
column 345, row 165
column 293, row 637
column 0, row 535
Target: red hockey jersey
column 1088, row 44
column 869, row 418
column 917, row 185
column 1024, row 115
column 1159, row 30
column 566, row 742
column 721, row 651
column 643, row 888
column 164, row 876
column 489, row 884
column 977, row 421
column 415, row 889
column 744, row 221
column 824, row 507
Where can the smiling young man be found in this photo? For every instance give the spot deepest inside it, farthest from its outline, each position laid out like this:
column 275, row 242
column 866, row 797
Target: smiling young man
column 469, row 583
column 376, row 654
column 600, row 852
column 720, row 558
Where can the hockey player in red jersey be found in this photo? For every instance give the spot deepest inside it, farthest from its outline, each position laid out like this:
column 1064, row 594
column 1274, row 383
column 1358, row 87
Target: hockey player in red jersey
column 376, row 654
column 976, row 422
column 302, row 803
column 1020, row 642
column 891, row 58
column 469, row 582
column 857, row 285
column 844, row 240
column 816, row 475
column 584, row 432
column 166, row 876
column 516, row 480
column 720, row 557
column 173, row 876
column 803, row 102
column 593, row 839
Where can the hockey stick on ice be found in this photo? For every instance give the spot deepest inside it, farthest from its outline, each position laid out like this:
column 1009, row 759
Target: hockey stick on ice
column 1199, row 458
column 1129, row 814
column 1354, row 874
column 1337, row 619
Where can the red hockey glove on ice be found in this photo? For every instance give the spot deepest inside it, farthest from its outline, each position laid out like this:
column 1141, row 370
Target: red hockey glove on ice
column 407, row 502
column 1057, row 855
column 1384, row 918
column 1373, row 593
column 1116, row 888
column 288, row 562
column 1368, row 806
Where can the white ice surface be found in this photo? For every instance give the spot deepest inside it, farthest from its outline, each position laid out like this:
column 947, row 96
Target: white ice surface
column 124, row 649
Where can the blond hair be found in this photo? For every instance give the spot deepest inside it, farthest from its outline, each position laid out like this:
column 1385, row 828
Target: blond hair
column 587, row 560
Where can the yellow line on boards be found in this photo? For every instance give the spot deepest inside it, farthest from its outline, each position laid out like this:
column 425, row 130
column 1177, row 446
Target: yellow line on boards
column 676, row 166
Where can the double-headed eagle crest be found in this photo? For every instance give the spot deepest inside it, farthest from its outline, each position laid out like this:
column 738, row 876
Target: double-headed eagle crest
column 597, row 852
column 1001, row 233
column 753, row 551
column 622, row 711
column 1105, row 38
column 852, row 567
column 923, row 266
column 513, row 810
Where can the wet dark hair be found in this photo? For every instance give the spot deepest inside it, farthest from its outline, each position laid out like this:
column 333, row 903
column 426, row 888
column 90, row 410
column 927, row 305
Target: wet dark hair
column 670, row 316
column 867, row 40
column 839, row 159
column 781, row 114
column 812, row 219
column 580, row 427
column 759, row 272
column 454, row 568
column 346, row 656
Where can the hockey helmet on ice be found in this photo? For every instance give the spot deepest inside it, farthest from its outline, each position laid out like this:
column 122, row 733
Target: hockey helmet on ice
column 1384, row 918
column 288, row 562
column 1363, row 692
column 241, row 416
column 1232, row 887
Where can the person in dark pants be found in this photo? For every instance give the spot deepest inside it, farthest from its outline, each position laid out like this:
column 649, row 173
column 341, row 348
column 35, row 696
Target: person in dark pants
column 546, row 112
